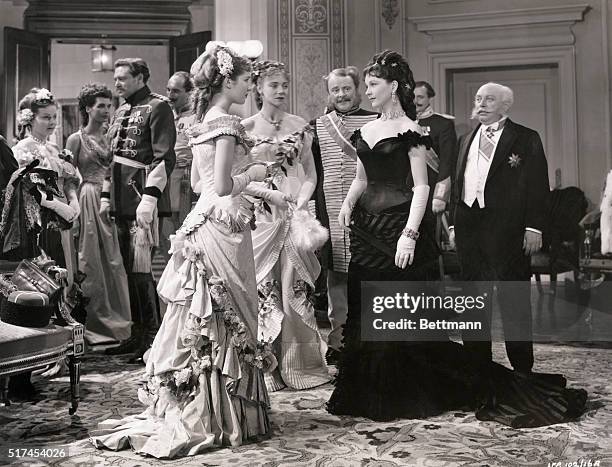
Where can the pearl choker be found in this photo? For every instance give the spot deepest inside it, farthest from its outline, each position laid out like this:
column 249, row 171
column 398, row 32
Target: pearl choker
column 392, row 115
column 39, row 141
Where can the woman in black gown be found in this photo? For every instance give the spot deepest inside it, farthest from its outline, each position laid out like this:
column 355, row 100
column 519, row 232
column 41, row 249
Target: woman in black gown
column 392, row 239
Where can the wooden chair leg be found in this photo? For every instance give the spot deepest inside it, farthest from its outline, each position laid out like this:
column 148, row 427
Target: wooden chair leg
column 74, row 364
column 4, row 384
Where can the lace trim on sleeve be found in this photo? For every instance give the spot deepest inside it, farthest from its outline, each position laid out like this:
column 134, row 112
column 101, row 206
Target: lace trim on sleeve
column 227, row 125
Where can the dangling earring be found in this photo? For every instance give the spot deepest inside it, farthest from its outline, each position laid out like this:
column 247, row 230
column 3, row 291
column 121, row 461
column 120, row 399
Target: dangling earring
column 393, row 97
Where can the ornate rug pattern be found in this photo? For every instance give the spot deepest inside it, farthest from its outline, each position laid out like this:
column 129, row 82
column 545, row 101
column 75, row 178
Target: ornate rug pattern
column 306, row 435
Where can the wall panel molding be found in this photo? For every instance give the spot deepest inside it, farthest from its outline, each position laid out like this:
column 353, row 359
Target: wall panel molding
column 524, row 16
column 527, row 27
column 441, row 65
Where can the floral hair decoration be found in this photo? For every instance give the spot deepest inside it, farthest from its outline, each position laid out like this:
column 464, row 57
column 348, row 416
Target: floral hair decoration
column 25, row 117
column 226, row 65
column 43, row 95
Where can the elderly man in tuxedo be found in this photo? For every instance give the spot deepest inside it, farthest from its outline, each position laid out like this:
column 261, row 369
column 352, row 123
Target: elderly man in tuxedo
column 499, row 207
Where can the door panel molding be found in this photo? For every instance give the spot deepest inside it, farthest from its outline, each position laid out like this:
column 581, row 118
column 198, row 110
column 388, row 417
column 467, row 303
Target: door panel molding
column 26, row 65
column 441, row 66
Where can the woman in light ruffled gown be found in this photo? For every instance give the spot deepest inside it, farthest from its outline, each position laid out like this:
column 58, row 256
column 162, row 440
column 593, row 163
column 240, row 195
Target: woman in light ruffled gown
column 60, row 206
column 205, row 385
column 105, row 284
column 286, row 272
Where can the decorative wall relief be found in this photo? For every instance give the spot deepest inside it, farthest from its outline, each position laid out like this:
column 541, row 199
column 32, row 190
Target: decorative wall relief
column 390, row 11
column 311, row 43
column 311, row 58
column 311, row 16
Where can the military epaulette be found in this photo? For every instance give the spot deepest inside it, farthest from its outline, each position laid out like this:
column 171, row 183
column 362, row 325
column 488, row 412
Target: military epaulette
column 450, row 117
column 160, row 96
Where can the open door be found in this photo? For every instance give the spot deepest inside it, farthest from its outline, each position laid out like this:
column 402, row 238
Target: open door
column 26, row 65
column 185, row 49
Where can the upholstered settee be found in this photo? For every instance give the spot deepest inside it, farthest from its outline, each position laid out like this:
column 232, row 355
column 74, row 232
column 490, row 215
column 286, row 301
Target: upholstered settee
column 24, row 349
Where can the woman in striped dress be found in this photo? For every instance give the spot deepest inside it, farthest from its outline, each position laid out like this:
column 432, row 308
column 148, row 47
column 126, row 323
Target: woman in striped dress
column 286, row 272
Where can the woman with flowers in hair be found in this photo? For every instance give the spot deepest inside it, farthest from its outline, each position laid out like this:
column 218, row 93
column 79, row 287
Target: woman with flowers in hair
column 286, row 268
column 205, row 386
column 106, row 284
column 51, row 204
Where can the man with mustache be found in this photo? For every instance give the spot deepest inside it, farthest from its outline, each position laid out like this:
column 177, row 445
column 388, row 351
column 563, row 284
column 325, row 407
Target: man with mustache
column 142, row 137
column 178, row 91
column 499, row 209
column 441, row 129
column 336, row 162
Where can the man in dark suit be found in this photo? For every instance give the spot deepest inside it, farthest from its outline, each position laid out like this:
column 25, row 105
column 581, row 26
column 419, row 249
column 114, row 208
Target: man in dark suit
column 441, row 129
column 499, row 206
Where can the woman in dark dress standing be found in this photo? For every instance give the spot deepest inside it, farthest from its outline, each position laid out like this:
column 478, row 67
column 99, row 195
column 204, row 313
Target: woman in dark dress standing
column 392, row 239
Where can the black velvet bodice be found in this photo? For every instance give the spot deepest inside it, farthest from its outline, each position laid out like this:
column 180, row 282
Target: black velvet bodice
column 387, row 167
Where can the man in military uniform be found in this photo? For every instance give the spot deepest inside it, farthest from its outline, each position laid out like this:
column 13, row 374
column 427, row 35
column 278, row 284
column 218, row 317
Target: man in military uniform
column 179, row 90
column 441, row 128
column 142, row 138
column 336, row 163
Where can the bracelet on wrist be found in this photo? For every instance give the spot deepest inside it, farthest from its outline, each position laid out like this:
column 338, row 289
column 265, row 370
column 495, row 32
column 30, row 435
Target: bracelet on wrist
column 410, row 233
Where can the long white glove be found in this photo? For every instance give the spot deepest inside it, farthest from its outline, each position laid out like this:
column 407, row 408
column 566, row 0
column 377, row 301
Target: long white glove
column 105, row 207
column 74, row 204
column 62, row 209
column 275, row 197
column 145, row 210
column 404, row 253
column 255, row 173
column 354, row 193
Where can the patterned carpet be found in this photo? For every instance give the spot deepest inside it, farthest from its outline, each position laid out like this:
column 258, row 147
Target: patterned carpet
column 305, row 434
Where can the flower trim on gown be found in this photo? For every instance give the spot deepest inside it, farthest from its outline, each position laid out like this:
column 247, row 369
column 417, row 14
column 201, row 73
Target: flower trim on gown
column 205, row 386
column 286, row 275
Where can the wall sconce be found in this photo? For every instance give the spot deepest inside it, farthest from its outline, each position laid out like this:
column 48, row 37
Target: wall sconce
column 251, row 49
column 102, row 57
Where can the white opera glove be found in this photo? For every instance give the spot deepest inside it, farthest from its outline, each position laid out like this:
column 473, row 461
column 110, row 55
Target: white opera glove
column 417, row 207
column 145, row 210
column 105, row 207
column 354, row 193
column 258, row 189
column 275, row 197
column 346, row 211
column 257, row 172
column 280, row 199
column 404, row 253
column 60, row 208
column 438, row 206
column 74, row 204
column 240, row 182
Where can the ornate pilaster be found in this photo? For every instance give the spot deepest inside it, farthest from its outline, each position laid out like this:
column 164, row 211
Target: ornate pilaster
column 311, row 43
